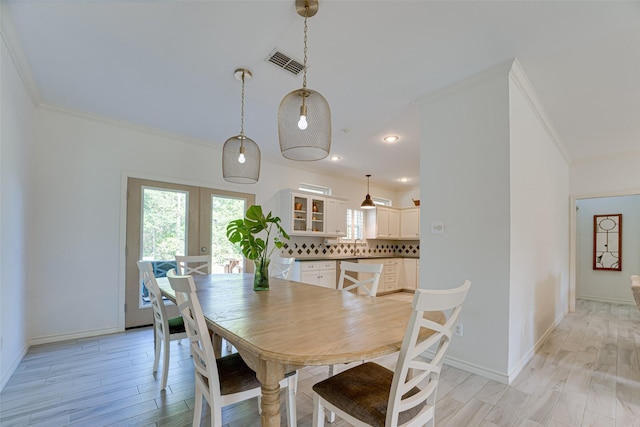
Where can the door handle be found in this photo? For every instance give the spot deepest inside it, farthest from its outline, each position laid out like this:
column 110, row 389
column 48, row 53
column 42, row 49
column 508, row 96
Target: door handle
column 203, row 249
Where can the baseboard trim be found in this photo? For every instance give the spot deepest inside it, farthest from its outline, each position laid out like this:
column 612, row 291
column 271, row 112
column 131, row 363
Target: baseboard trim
column 529, row 355
column 7, row 375
column 74, row 336
column 607, row 300
column 500, row 377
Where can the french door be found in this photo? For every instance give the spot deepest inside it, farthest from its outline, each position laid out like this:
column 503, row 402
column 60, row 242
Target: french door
column 165, row 220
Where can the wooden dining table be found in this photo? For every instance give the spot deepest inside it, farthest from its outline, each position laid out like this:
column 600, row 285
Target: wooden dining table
column 293, row 325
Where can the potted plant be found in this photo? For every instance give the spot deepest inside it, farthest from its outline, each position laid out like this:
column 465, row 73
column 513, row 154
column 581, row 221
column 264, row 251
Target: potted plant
column 245, row 232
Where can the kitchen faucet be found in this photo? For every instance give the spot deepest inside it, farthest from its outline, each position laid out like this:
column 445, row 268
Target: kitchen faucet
column 355, row 246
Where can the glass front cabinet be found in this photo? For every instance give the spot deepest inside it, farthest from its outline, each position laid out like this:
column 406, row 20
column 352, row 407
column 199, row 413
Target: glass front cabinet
column 307, row 213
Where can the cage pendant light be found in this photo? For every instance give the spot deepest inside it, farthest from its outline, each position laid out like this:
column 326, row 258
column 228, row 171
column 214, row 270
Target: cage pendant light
column 368, row 203
column 240, row 154
column 304, row 116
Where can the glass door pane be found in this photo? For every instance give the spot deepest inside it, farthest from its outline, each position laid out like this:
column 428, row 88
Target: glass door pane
column 164, row 230
column 225, row 257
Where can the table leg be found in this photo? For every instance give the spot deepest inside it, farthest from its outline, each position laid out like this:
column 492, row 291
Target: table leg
column 217, row 344
column 270, row 374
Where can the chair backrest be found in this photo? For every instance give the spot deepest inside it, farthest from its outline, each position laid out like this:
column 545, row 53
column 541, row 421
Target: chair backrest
column 193, row 264
column 412, row 368
column 370, row 283
column 160, row 319
column 204, row 359
column 635, row 288
column 280, row 267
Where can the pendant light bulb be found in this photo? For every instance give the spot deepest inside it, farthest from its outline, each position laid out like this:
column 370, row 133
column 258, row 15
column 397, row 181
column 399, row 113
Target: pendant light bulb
column 241, row 157
column 302, row 123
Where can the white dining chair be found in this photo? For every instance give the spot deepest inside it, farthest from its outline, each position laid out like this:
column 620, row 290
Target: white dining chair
column 360, row 277
column 223, row 381
column 165, row 329
column 281, row 267
column 372, row 395
column 193, row 264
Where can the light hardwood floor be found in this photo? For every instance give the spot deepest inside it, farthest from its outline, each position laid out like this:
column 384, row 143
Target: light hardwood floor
column 586, row 374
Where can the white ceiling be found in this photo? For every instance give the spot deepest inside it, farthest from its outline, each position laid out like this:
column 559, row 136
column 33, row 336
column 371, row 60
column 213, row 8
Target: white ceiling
column 169, row 65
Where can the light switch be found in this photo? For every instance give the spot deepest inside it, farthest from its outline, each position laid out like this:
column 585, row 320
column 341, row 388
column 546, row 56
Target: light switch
column 437, row 227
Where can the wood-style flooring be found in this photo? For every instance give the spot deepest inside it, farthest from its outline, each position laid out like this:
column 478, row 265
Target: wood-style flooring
column 586, row 374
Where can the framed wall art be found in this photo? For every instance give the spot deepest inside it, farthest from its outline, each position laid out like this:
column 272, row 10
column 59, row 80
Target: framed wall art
column 607, row 242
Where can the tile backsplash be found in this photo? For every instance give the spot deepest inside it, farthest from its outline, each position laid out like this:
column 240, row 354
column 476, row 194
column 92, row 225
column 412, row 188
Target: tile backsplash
column 315, row 247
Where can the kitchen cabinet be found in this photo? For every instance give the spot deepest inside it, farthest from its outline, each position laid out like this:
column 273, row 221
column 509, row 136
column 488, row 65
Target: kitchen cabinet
column 410, row 223
column 383, row 222
column 390, row 273
column 303, row 214
column 409, row 277
column 306, row 214
column 336, row 217
column 319, row 273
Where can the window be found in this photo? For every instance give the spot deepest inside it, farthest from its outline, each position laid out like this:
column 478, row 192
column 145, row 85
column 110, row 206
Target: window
column 380, row 201
column 316, row 189
column 355, row 224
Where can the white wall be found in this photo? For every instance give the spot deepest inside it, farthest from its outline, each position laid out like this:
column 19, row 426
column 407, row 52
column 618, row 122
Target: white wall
column 538, row 296
column 612, row 286
column 78, row 169
column 464, row 162
column 16, row 122
column 613, row 175
column 492, row 171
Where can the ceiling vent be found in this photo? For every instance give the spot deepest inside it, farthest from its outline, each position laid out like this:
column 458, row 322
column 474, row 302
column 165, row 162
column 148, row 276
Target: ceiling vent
column 284, row 61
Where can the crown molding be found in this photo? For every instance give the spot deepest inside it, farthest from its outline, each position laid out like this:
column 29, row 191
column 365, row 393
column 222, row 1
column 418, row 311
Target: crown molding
column 522, row 82
column 14, row 47
column 515, row 72
column 502, row 68
column 128, row 125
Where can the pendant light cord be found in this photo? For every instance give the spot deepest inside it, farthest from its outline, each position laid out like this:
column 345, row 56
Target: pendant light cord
column 242, row 112
column 304, row 75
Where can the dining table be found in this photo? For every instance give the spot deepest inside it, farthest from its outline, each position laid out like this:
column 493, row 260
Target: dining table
column 293, row 325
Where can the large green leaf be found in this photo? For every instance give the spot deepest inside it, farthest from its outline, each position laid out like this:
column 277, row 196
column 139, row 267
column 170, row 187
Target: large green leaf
column 244, row 233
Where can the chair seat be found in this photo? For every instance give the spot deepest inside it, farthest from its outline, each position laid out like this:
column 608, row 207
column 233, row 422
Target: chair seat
column 363, row 391
column 235, row 376
column 176, row 325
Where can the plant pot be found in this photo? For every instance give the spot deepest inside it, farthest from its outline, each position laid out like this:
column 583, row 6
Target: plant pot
column 261, row 275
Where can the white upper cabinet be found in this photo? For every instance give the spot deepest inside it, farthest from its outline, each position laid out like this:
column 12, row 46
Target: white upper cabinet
column 410, row 223
column 336, row 217
column 383, row 222
column 305, row 214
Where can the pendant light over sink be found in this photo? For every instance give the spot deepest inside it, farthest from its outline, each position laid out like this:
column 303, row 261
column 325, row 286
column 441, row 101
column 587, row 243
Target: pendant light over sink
column 368, row 203
column 240, row 154
column 304, row 117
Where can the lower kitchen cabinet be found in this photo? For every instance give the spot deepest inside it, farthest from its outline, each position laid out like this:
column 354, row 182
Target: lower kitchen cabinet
column 390, row 273
column 319, row 273
column 409, row 276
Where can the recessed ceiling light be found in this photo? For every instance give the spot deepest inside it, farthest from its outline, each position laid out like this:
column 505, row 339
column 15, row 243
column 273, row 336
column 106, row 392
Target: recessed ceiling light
column 404, row 179
column 391, row 138
column 335, row 158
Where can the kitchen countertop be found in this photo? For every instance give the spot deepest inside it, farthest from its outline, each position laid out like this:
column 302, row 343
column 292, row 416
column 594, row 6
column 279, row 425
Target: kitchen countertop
column 353, row 258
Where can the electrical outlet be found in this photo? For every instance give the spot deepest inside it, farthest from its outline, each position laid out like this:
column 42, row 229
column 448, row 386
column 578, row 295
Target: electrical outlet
column 458, row 330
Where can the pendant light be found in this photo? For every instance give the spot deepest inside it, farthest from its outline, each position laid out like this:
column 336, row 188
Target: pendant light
column 240, row 154
column 368, row 203
column 304, row 117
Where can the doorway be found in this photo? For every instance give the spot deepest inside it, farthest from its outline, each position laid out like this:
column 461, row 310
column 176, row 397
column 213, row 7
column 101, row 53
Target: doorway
column 165, row 220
